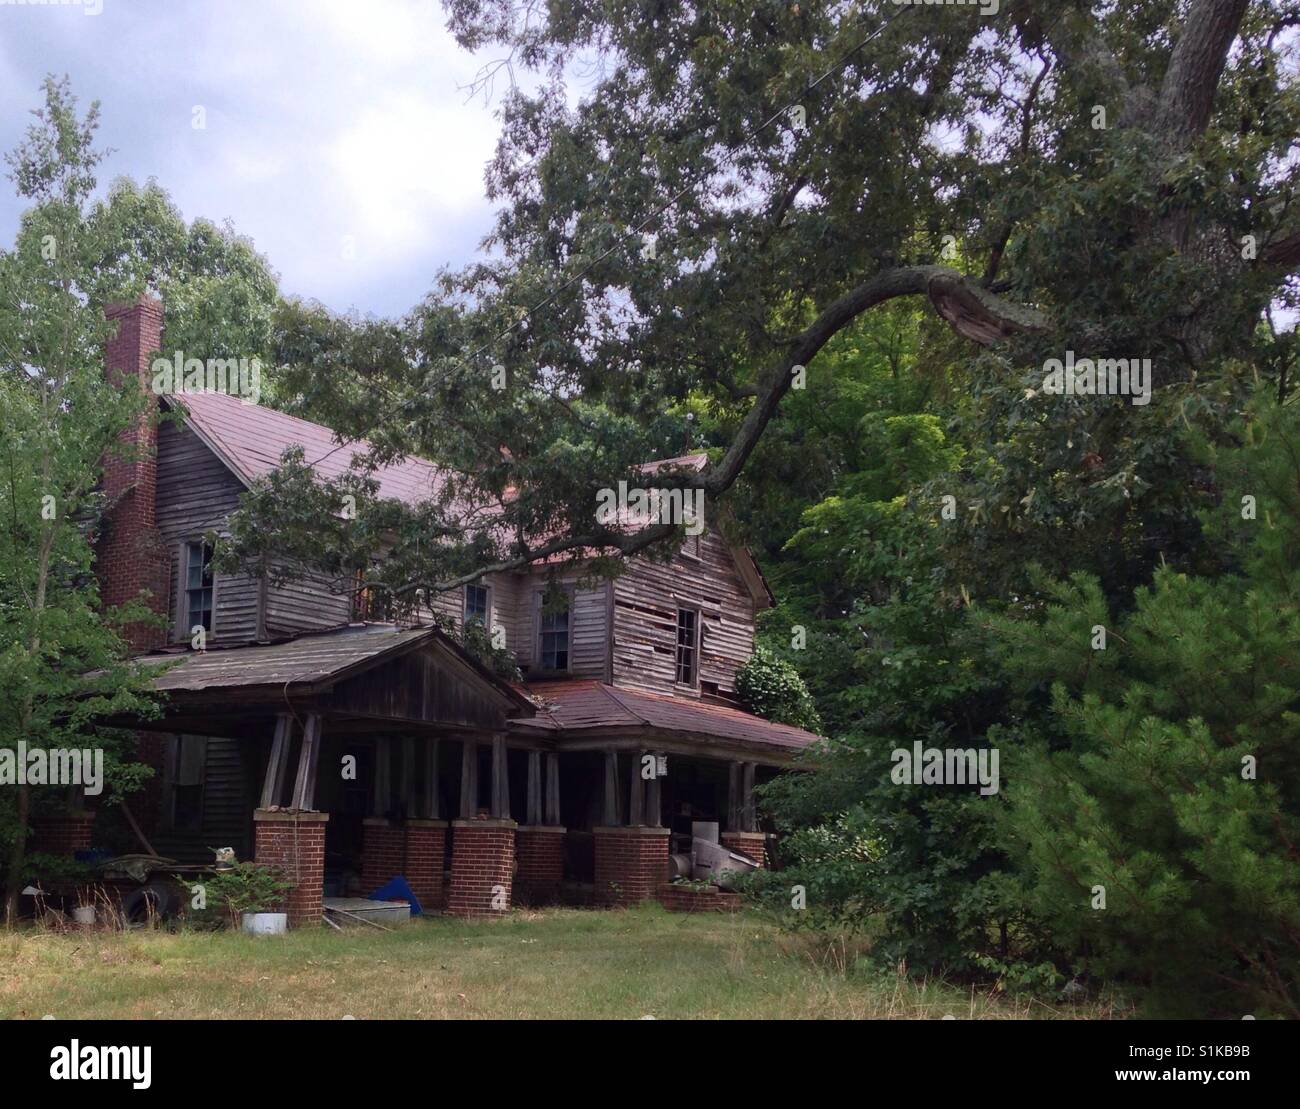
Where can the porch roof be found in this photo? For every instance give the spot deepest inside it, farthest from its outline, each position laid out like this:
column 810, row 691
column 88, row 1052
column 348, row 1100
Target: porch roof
column 586, row 707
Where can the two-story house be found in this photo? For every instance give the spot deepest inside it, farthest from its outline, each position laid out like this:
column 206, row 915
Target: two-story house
column 350, row 752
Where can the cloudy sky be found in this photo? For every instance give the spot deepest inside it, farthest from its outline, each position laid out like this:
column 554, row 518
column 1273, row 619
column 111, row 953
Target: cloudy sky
column 337, row 135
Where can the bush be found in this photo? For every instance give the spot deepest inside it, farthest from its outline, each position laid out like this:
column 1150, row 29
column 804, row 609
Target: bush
column 771, row 688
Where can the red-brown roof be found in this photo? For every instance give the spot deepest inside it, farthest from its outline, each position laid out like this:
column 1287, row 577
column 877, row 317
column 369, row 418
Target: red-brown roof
column 250, row 440
column 569, row 706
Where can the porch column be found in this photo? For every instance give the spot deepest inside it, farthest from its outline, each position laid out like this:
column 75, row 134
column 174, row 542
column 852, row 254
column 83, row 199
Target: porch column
column 482, row 849
column 742, row 835
column 539, row 847
column 382, row 840
column 294, row 843
column 426, row 837
column 632, row 860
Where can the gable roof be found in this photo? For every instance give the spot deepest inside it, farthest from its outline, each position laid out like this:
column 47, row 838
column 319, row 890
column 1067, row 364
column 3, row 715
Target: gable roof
column 313, row 660
column 577, row 706
column 250, row 439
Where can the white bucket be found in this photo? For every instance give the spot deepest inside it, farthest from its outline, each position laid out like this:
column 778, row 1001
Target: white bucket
column 265, row 924
column 84, row 914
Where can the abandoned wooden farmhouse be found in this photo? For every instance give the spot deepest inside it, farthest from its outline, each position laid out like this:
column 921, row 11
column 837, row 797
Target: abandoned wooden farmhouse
column 349, row 753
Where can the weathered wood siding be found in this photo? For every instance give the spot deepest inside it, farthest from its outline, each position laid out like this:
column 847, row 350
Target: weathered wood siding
column 421, row 686
column 646, row 599
column 196, row 492
column 588, row 624
column 305, row 605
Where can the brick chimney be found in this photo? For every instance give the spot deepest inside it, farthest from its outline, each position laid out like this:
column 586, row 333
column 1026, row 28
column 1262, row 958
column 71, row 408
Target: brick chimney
column 131, row 555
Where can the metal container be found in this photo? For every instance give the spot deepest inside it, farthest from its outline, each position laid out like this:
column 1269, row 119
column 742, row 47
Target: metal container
column 705, row 829
column 714, row 863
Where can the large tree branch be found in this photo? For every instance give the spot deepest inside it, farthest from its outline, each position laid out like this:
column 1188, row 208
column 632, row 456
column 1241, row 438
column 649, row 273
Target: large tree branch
column 1195, row 66
column 973, row 312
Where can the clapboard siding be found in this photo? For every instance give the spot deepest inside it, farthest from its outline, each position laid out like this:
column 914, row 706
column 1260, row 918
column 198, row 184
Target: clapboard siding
column 196, row 492
column 305, row 605
column 646, row 599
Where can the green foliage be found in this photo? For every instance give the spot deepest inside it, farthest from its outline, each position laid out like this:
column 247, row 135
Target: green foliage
column 244, row 888
column 477, row 641
column 1165, row 769
column 771, row 687
column 61, row 658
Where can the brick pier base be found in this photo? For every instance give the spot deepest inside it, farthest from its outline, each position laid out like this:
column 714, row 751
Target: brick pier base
column 294, row 843
column 383, row 845
column 631, row 864
column 482, row 866
column 426, row 858
column 62, row 835
column 753, row 844
column 539, row 853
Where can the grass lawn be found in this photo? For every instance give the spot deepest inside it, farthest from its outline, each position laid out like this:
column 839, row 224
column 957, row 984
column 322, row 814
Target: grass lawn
column 557, row 963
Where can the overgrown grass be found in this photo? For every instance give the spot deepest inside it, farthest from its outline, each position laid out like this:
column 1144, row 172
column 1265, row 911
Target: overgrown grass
column 558, row 963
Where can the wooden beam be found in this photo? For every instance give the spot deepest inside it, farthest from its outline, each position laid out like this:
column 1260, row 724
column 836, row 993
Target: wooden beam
column 273, row 784
column 553, row 790
column 468, row 779
column 534, row 787
column 304, row 789
column 432, row 799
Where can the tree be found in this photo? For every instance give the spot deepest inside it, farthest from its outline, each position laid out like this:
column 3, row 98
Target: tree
column 1155, row 811
column 60, row 659
column 738, row 186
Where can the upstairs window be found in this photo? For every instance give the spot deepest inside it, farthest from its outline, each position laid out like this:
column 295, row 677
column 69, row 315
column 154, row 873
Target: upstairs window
column 476, row 604
column 688, row 646
column 553, row 624
column 198, row 587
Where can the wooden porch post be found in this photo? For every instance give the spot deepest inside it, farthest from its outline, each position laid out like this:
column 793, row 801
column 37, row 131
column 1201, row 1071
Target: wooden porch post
column 609, row 816
column 304, row 788
column 500, row 779
column 382, row 798
column 653, row 807
column 534, row 788
column 748, row 815
column 468, row 779
column 277, row 767
column 733, row 797
column 406, row 776
column 636, row 798
column 553, row 790
column 432, row 801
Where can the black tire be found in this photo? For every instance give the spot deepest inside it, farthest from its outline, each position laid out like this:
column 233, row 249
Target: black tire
column 156, row 901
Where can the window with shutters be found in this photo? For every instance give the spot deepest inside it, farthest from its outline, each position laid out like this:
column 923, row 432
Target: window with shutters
column 185, row 758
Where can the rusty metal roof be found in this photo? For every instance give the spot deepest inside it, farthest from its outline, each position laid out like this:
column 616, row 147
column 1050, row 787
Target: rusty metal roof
column 570, row 706
column 250, row 440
